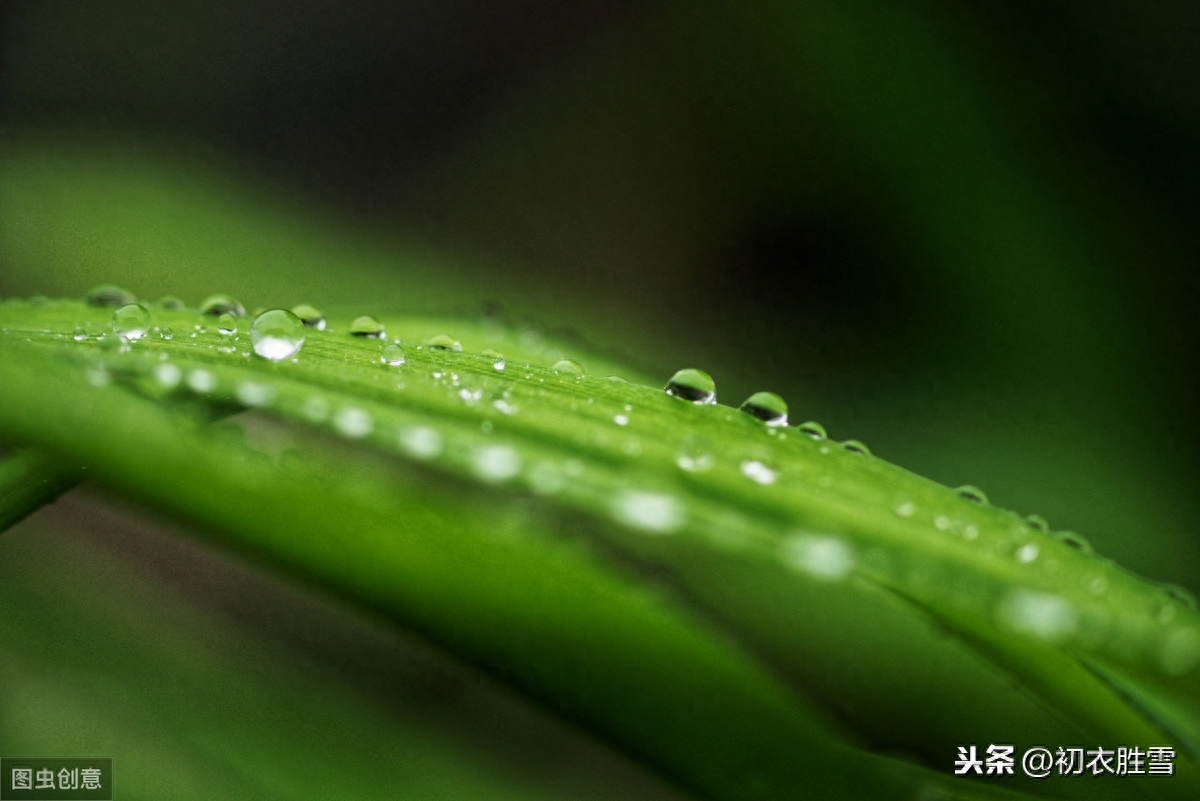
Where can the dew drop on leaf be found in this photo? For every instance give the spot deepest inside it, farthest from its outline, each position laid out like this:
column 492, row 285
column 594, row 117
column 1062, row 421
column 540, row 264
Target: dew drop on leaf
column 366, row 326
column 131, row 321
column 812, row 429
column 276, row 334
column 1041, row 614
column 227, row 324
column 1037, row 523
column 80, row 334
column 170, row 303
column 497, row 358
column 167, row 375
column 443, row 342
column 254, row 394
column 392, row 355
column 621, row 419
column 692, row 385
column 856, row 447
column 648, row 511
column 353, row 422
column 216, row 305
column 569, row 366
column 758, row 472
column 108, row 295
column 310, row 316
column 201, row 380
column 420, row 442
column 821, row 556
column 972, row 494
column 1074, row 540
column 495, row 463
column 766, row 406
column 1027, row 552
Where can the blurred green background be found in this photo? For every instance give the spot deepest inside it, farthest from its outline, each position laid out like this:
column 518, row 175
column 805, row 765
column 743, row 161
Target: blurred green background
column 963, row 233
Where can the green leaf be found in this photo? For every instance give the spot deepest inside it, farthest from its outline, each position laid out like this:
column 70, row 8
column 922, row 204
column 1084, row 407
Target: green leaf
column 643, row 565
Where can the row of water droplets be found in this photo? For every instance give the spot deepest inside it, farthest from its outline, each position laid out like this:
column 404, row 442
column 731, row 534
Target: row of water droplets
column 277, row 334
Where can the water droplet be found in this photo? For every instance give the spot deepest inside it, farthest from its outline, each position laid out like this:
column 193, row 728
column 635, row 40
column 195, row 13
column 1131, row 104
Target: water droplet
column 109, row 295
column 420, row 442
column 130, row 322
column 227, row 324
column 856, row 447
column 648, row 511
column 568, row 366
column 443, row 342
column 168, row 375
column 165, row 332
column 1074, row 540
column 366, row 326
column 201, row 380
column 310, row 316
column 621, row 419
column 470, row 396
column 495, row 463
column 972, row 494
column 503, row 406
column 80, row 334
column 1037, row 523
column 941, row 522
column 1180, row 652
column 1178, row 594
column 905, row 508
column 1050, row 617
column 695, row 386
column 392, row 355
column 758, row 472
column 812, row 429
column 254, row 394
column 353, row 422
column 497, row 358
column 170, row 303
column 824, row 557
column 277, row 334
column 216, row 305
column 766, row 406
column 695, row 455
column 1027, row 552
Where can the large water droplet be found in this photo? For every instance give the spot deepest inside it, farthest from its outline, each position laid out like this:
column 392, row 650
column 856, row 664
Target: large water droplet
column 366, row 326
column 80, row 334
column 130, row 322
column 227, row 324
column 695, row 386
column 495, row 463
column 1074, row 540
column 1050, row 617
column 276, row 334
column 766, row 406
column 216, row 305
column 758, row 472
column 972, row 494
column 392, row 355
column 820, row 556
column 443, row 342
column 310, row 316
column 812, row 429
column 856, row 447
column 569, row 366
column 648, row 511
column 109, row 295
